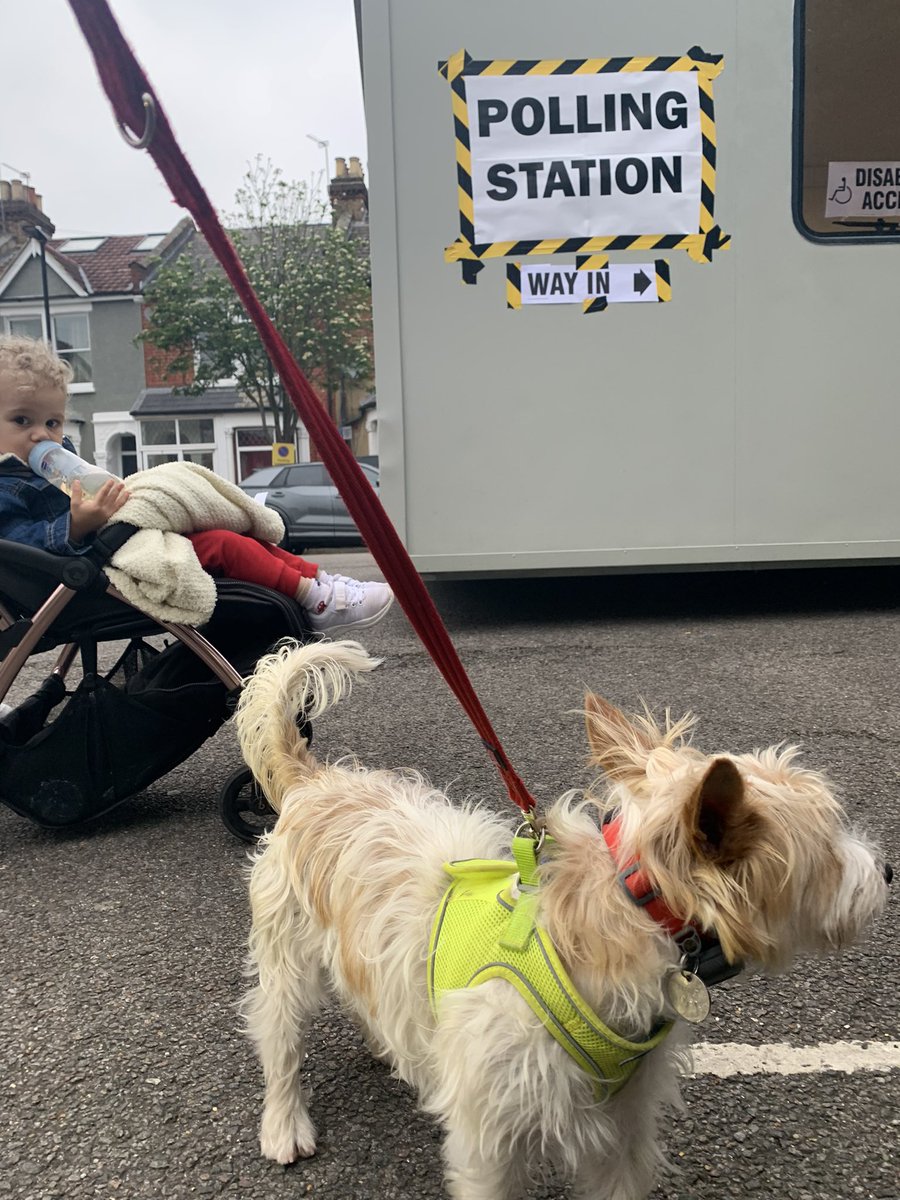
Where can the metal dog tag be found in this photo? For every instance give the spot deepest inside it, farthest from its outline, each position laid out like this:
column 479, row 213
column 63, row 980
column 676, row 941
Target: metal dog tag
column 688, row 995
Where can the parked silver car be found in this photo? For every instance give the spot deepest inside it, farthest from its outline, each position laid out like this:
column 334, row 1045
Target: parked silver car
column 308, row 503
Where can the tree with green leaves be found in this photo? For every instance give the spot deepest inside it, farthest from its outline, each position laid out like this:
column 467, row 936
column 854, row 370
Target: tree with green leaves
column 313, row 280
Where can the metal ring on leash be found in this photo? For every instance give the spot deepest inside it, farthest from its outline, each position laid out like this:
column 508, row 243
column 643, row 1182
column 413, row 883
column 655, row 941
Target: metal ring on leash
column 535, row 830
column 142, row 142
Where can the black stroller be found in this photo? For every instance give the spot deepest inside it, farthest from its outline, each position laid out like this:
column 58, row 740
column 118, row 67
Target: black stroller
column 125, row 727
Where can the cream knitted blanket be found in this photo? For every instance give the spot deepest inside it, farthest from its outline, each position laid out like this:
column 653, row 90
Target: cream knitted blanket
column 157, row 569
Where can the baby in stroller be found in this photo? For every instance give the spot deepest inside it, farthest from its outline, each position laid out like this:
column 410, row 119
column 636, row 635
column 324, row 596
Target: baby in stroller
column 33, row 382
column 69, row 756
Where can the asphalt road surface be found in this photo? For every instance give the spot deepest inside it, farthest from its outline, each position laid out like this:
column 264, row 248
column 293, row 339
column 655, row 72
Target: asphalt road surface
column 123, row 1072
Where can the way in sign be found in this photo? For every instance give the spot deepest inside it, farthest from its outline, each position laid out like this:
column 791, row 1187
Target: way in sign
column 619, row 283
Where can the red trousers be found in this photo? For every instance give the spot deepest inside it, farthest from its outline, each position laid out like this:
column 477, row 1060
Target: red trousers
column 237, row 556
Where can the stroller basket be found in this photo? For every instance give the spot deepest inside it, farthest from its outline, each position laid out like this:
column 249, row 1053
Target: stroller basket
column 109, row 742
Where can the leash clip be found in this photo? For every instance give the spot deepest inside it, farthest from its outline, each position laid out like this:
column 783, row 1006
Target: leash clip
column 533, row 827
column 142, row 142
column 688, row 942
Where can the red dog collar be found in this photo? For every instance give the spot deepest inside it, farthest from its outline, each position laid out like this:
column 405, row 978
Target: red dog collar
column 638, row 887
column 701, row 951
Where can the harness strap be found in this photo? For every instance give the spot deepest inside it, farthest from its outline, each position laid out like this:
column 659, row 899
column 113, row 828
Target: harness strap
column 524, row 916
column 133, row 100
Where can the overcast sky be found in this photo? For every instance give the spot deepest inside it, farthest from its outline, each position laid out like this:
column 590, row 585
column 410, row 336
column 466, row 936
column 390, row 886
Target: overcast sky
column 237, row 78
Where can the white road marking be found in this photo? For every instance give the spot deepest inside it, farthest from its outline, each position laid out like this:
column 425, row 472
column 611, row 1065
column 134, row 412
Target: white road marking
column 779, row 1058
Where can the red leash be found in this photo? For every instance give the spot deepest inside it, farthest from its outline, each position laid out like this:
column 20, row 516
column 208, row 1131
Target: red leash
column 136, row 107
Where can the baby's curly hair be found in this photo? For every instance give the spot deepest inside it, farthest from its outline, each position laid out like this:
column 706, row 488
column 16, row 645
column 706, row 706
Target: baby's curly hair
column 30, row 364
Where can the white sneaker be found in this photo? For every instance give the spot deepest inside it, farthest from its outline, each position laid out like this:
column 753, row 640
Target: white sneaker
column 351, row 603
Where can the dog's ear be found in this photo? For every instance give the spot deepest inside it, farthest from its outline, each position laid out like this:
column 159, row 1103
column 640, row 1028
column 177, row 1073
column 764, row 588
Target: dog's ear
column 617, row 745
column 720, row 822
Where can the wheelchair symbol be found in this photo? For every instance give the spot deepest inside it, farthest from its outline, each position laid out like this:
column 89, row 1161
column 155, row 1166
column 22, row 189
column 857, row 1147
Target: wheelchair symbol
column 842, row 194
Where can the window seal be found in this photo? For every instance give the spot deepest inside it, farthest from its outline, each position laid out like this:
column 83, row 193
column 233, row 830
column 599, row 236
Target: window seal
column 811, row 235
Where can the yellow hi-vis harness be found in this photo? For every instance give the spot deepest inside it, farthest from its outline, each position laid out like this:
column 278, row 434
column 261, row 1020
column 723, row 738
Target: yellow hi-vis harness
column 485, row 928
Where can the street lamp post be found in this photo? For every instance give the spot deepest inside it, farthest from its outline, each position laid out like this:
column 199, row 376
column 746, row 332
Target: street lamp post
column 40, row 237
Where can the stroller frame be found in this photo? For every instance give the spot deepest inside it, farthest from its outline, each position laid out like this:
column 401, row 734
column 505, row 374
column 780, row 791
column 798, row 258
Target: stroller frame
column 67, row 603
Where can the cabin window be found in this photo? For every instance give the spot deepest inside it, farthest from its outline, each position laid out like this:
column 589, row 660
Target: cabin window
column 847, row 119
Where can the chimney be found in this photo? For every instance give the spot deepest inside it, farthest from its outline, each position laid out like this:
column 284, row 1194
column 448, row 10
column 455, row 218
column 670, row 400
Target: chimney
column 348, row 194
column 20, row 205
column 137, row 271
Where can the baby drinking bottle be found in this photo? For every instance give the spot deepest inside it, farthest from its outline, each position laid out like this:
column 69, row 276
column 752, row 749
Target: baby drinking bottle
column 61, row 467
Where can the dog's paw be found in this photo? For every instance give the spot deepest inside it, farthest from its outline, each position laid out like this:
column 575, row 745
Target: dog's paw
column 285, row 1138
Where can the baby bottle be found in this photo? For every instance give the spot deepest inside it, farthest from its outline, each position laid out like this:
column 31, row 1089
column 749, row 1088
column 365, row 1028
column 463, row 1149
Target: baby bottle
column 61, row 467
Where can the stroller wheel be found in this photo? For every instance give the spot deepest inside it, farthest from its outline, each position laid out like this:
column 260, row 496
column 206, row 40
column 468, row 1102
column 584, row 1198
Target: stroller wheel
column 245, row 811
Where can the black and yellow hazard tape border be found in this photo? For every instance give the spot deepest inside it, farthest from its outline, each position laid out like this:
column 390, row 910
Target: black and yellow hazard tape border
column 513, row 285
column 663, row 280
column 699, row 246
column 593, row 262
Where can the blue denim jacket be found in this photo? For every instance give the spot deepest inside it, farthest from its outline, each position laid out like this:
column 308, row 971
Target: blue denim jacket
column 34, row 511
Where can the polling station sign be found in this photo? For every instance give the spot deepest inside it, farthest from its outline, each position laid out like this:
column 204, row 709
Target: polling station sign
column 584, row 155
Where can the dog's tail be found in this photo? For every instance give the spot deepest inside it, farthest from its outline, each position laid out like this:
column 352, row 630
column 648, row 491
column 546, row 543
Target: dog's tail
column 294, row 679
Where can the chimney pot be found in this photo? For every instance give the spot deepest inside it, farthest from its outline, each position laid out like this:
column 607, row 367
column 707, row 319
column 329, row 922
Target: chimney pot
column 340, row 167
column 22, row 207
column 355, row 168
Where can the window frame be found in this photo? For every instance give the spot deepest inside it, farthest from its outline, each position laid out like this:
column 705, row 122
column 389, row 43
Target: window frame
column 83, row 245
column 251, row 448
column 8, row 318
column 85, row 385
column 129, row 452
column 35, row 311
column 177, row 448
column 797, row 160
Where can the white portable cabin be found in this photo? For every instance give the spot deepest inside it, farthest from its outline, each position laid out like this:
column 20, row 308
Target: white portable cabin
column 753, row 417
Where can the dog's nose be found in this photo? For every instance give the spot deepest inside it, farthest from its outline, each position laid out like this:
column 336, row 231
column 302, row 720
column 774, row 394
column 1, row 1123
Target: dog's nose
column 888, row 873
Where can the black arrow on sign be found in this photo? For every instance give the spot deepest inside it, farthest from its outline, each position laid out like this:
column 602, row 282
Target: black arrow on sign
column 641, row 283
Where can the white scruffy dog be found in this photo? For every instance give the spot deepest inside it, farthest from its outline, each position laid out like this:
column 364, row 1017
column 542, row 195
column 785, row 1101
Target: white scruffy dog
column 345, row 889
